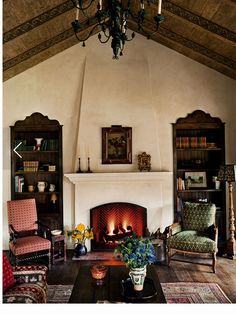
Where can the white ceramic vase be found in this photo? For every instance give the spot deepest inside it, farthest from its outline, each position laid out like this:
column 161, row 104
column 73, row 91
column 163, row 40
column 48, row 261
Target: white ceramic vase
column 38, row 143
column 137, row 276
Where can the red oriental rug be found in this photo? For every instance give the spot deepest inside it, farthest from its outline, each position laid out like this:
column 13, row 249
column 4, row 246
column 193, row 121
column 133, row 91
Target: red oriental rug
column 194, row 292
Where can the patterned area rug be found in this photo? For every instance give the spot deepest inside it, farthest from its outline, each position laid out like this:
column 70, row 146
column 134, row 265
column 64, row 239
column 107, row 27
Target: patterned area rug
column 189, row 292
column 177, row 292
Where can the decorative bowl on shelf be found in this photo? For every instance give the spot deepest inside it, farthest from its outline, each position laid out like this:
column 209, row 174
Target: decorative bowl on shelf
column 56, row 232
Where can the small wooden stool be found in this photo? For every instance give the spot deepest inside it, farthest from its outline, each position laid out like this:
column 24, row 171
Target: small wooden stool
column 58, row 248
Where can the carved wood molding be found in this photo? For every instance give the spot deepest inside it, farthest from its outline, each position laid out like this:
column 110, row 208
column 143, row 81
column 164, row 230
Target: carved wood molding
column 167, row 5
column 34, row 119
column 199, row 116
column 37, row 21
column 197, row 47
column 198, row 20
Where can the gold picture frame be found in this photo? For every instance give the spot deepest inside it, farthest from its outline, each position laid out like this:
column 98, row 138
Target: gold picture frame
column 144, row 162
column 117, row 145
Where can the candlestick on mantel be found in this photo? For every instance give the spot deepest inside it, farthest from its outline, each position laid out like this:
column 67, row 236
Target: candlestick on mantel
column 89, row 170
column 79, row 169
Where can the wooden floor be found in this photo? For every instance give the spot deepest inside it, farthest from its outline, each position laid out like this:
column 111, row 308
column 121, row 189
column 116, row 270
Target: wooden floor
column 225, row 276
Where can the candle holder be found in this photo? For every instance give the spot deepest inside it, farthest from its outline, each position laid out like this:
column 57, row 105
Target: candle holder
column 98, row 273
column 79, row 170
column 89, row 170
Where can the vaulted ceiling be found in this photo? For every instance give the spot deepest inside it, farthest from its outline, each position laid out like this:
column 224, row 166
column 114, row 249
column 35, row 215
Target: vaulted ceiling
column 203, row 30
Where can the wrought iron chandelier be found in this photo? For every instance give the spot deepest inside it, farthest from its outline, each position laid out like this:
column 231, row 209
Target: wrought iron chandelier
column 112, row 18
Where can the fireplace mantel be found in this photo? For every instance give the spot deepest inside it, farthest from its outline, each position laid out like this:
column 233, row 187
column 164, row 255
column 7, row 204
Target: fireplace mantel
column 152, row 190
column 117, row 176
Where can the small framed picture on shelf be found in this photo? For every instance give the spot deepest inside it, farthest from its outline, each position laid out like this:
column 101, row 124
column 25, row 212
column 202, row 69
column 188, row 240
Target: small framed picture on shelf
column 196, row 179
column 117, row 145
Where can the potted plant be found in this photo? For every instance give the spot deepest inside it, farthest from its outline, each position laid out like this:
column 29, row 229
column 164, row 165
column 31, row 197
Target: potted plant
column 80, row 234
column 137, row 253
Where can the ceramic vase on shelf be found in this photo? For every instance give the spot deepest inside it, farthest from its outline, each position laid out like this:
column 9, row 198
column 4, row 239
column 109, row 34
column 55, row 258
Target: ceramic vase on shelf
column 38, row 143
column 137, row 276
column 80, row 249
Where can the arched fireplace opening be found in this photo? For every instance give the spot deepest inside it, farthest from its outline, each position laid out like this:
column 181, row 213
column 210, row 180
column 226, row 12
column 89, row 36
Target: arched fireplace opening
column 112, row 222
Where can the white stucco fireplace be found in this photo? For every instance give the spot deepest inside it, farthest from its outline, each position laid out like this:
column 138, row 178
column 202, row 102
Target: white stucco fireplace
column 152, row 190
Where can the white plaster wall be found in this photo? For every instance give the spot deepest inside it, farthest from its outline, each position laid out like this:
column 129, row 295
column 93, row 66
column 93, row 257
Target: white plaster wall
column 84, row 89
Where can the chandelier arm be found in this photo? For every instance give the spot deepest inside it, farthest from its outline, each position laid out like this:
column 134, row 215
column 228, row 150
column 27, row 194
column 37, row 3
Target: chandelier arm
column 90, row 33
column 81, row 7
column 104, row 42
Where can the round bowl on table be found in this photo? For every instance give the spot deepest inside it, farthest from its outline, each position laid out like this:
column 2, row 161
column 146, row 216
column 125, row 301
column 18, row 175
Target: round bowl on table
column 56, row 232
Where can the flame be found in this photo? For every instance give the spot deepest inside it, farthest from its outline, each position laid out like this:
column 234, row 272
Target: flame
column 111, row 226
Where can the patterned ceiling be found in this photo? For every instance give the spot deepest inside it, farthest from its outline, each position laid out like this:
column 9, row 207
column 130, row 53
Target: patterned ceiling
column 203, row 30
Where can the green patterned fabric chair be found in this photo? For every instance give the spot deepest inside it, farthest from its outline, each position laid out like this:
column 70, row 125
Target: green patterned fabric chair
column 195, row 234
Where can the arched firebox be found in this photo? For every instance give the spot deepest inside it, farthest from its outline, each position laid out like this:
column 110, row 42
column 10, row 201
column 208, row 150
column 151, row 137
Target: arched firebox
column 112, row 222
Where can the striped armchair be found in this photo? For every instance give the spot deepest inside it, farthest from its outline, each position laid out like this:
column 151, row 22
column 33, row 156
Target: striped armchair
column 196, row 234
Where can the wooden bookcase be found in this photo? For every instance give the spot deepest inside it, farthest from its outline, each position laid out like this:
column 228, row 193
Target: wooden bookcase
column 32, row 166
column 198, row 152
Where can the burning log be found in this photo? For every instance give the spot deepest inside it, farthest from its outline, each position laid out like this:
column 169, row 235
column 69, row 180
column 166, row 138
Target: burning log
column 118, row 233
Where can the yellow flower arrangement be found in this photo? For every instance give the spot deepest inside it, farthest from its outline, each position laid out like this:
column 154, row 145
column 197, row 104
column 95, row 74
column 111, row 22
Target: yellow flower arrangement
column 80, row 233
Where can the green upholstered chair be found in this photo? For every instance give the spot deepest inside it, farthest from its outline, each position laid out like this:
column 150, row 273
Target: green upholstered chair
column 195, row 234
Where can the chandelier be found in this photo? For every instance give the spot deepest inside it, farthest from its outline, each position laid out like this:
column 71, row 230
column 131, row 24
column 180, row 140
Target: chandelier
column 111, row 18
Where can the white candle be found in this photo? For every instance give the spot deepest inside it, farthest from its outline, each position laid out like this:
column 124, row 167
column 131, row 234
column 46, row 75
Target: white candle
column 159, row 6
column 77, row 11
column 87, row 151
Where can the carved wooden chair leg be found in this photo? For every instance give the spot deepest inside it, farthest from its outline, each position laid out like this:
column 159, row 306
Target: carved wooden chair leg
column 49, row 260
column 214, row 262
column 168, row 256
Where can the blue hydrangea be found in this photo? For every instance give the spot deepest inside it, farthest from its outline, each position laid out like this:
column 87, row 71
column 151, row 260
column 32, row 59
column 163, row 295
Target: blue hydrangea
column 136, row 252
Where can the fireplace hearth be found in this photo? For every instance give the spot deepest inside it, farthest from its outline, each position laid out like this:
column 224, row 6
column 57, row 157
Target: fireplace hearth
column 113, row 222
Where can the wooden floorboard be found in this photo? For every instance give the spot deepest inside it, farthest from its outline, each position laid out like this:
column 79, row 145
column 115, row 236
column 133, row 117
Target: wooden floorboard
column 225, row 276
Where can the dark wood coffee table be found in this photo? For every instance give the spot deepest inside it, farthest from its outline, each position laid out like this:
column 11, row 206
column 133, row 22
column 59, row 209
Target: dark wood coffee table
column 85, row 290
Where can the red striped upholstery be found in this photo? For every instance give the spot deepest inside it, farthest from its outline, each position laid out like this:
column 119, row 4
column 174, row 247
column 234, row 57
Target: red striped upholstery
column 22, row 214
column 29, row 244
column 7, row 274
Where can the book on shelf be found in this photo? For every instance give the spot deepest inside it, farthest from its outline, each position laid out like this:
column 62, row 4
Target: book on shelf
column 50, row 144
column 182, row 142
column 19, row 183
column 180, row 184
column 193, row 142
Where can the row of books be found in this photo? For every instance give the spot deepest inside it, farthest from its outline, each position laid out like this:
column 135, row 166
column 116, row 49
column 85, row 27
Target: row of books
column 19, row 183
column 30, row 166
column 191, row 142
column 48, row 144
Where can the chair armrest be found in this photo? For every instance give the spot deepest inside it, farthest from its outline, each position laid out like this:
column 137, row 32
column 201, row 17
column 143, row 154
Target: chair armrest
column 173, row 229
column 33, row 273
column 13, row 233
column 212, row 232
column 43, row 229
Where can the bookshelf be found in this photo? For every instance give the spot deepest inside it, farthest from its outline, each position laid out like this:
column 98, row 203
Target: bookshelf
column 198, row 153
column 31, row 164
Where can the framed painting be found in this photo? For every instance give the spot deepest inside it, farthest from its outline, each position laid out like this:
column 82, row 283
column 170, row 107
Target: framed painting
column 196, row 179
column 117, row 145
